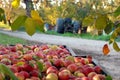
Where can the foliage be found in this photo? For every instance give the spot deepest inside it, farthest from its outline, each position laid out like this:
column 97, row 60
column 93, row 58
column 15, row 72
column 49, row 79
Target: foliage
column 6, row 71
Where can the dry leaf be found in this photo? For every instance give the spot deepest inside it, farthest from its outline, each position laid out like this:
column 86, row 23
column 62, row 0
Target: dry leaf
column 106, row 49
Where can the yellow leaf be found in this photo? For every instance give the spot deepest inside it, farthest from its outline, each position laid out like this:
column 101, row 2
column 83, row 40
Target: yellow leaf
column 30, row 26
column 35, row 16
column 116, row 47
column 106, row 49
column 15, row 3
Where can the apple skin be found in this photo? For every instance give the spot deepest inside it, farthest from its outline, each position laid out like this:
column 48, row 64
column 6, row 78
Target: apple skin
column 20, row 76
column 26, row 74
column 87, row 70
column 85, row 78
column 52, row 69
column 51, row 76
column 97, row 69
column 91, row 75
column 64, row 74
column 34, row 73
column 98, row 77
column 72, row 67
column 79, row 74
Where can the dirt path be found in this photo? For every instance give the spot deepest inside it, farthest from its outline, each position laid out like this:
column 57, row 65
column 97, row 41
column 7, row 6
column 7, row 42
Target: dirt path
column 109, row 63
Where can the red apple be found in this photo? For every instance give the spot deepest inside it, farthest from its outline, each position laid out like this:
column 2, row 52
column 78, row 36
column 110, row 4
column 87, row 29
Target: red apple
column 79, row 74
column 52, row 69
column 27, row 57
column 85, row 78
column 88, row 70
column 20, row 76
column 72, row 67
column 51, row 76
column 91, row 75
column 64, row 74
column 26, row 74
column 28, row 67
column 98, row 77
column 77, row 59
column 34, row 73
column 58, row 62
column 67, row 62
column 97, row 69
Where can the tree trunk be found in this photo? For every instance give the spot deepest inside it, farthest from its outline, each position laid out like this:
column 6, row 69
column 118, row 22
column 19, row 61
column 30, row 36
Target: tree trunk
column 29, row 7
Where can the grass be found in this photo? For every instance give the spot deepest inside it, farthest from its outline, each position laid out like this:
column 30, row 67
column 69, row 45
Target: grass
column 8, row 40
column 83, row 35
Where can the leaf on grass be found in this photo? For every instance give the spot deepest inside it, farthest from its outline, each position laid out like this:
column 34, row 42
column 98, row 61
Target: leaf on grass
column 18, row 22
column 108, row 78
column 30, row 26
column 106, row 49
column 116, row 47
column 4, row 69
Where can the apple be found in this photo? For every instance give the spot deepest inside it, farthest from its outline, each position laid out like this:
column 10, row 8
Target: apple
column 28, row 67
column 34, row 73
column 91, row 75
column 79, row 74
column 19, row 46
column 72, row 67
column 67, row 62
column 27, row 57
column 6, row 61
column 97, row 69
column 20, row 76
column 85, row 78
column 77, row 59
column 58, row 62
column 52, row 69
column 26, row 74
column 98, row 77
column 89, row 58
column 70, row 58
column 51, row 76
column 64, row 74
column 87, row 70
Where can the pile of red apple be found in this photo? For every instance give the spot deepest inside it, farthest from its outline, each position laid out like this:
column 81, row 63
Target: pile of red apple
column 58, row 63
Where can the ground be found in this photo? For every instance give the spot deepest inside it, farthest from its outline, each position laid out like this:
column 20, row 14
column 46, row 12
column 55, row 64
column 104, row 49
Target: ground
column 110, row 63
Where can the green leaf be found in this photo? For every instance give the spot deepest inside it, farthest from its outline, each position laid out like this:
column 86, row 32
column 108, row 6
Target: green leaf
column 30, row 26
column 108, row 28
column 4, row 69
column 88, row 21
column 117, row 12
column 40, row 66
column 116, row 47
column 108, row 78
column 18, row 22
column 39, row 27
column 101, row 22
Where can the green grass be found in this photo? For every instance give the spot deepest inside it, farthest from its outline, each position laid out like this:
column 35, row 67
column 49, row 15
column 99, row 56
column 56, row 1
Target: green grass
column 8, row 40
column 83, row 35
